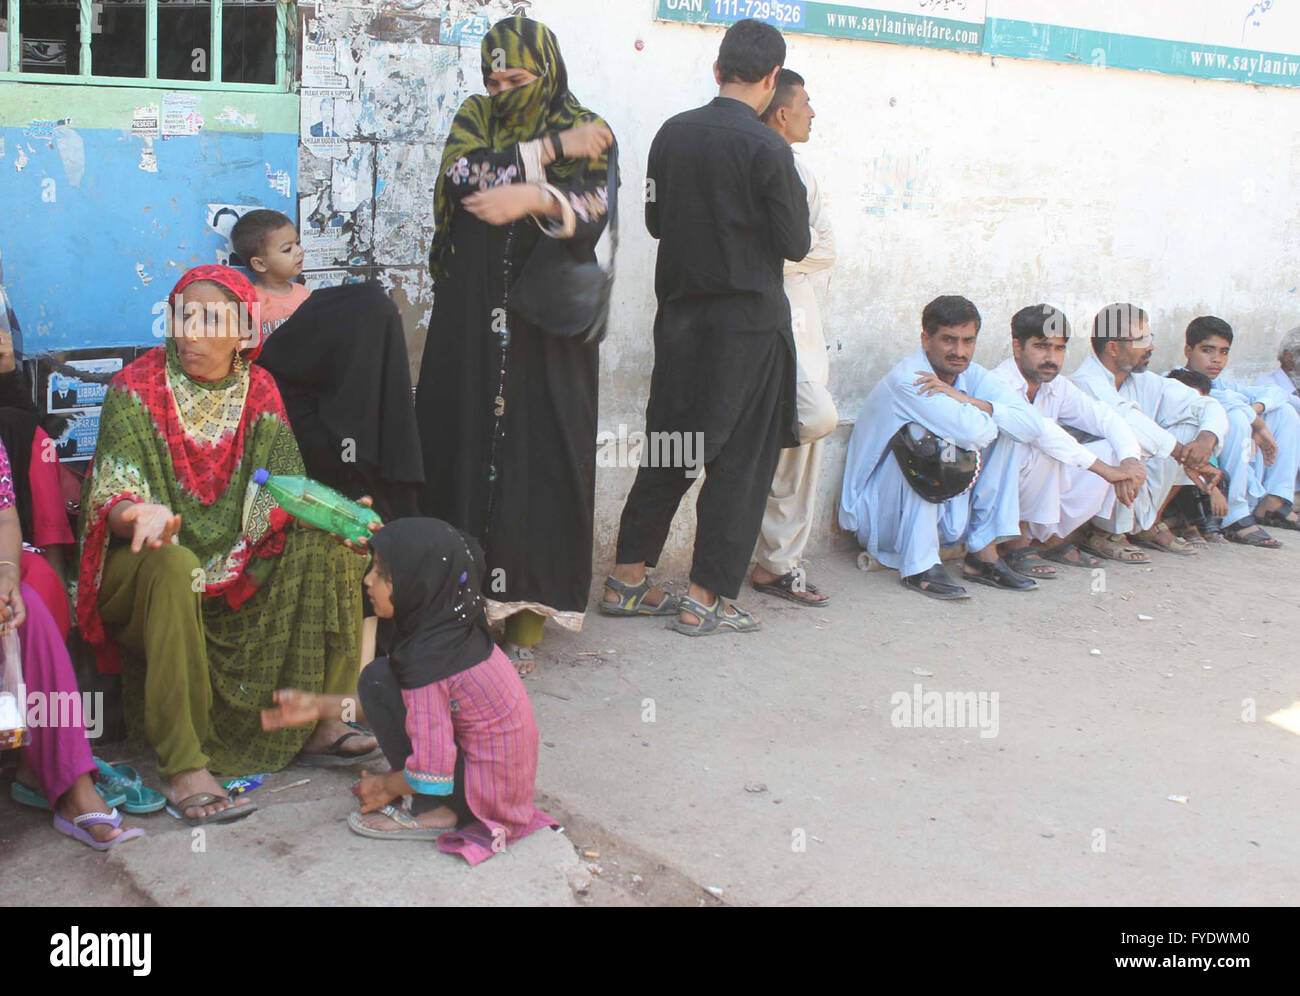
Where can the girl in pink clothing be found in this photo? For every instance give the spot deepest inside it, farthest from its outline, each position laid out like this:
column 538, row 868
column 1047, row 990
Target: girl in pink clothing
column 447, row 706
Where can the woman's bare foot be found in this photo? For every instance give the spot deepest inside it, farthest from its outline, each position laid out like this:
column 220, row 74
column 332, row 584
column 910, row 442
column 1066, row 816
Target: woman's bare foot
column 82, row 798
column 189, row 783
column 523, row 658
column 327, row 733
column 442, row 818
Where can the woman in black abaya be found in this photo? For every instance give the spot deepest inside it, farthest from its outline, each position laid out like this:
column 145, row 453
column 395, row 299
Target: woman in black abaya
column 507, row 411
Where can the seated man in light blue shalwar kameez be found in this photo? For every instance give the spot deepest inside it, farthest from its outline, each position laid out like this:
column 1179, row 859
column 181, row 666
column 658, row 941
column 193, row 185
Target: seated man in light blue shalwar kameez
column 1261, row 453
column 939, row 388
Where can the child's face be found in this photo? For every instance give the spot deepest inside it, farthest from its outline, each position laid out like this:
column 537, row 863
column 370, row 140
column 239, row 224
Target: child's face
column 379, row 589
column 1209, row 356
column 281, row 259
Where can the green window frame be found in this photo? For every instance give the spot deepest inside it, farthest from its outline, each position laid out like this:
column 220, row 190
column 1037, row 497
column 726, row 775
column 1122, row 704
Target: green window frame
column 281, row 84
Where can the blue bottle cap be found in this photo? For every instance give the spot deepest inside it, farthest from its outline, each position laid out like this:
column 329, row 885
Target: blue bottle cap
column 261, row 476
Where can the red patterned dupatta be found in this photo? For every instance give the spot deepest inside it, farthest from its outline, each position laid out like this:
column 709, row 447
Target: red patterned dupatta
column 191, row 445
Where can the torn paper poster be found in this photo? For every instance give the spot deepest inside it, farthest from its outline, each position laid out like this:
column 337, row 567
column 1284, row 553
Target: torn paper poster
column 78, row 441
column 72, row 152
column 319, row 65
column 316, row 279
column 324, row 243
column 40, row 129
column 180, row 115
column 145, row 279
column 279, row 180
column 144, row 121
column 316, row 123
column 234, row 116
column 352, row 181
column 468, row 31
column 20, row 160
column 220, row 219
column 148, row 158
column 64, row 392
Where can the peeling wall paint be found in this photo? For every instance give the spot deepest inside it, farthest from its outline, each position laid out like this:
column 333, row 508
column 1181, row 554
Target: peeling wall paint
column 381, row 84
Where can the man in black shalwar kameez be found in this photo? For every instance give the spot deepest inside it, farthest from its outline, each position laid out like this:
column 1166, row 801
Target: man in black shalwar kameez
column 728, row 208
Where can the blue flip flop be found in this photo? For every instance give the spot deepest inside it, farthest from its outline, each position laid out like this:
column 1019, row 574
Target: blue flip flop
column 25, row 795
column 137, row 797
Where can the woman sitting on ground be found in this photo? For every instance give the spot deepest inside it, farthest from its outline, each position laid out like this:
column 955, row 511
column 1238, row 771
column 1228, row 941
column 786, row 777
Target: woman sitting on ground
column 38, row 494
column 205, row 578
column 56, row 763
column 449, row 709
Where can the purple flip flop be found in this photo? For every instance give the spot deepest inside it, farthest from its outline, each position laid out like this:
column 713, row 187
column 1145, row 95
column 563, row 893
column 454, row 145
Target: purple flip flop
column 76, row 829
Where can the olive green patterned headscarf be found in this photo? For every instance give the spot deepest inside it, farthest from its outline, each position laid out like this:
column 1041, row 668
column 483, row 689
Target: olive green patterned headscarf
column 517, row 115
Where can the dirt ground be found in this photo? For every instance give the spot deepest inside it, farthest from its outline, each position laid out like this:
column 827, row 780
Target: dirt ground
column 1133, row 762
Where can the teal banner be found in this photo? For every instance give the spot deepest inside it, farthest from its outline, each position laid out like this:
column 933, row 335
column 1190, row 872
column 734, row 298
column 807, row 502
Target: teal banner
column 833, row 20
column 1031, row 40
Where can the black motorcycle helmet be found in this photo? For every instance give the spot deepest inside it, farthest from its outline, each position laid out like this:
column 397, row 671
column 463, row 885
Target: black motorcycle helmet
column 935, row 468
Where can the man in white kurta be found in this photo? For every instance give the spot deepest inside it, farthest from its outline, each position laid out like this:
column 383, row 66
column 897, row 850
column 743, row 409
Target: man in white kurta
column 788, row 517
column 963, row 404
column 1065, row 483
column 1178, row 429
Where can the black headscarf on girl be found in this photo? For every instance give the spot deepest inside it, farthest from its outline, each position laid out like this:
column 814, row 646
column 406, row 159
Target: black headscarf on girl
column 440, row 624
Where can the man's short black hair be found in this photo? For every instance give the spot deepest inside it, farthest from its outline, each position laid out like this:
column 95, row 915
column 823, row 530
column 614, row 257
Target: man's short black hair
column 1197, row 381
column 786, row 81
column 1116, row 321
column 1039, row 321
column 250, row 233
column 949, row 311
column 750, row 50
column 1200, row 329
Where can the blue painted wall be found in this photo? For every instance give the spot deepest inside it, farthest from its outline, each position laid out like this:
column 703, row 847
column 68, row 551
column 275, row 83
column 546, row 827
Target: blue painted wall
column 85, row 268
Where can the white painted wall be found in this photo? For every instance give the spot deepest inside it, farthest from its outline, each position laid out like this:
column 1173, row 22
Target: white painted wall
column 1008, row 181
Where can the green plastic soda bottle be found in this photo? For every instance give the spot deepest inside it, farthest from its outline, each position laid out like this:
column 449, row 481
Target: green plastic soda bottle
column 317, row 505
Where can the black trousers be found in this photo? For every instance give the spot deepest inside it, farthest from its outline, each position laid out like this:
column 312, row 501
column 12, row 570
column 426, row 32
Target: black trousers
column 730, row 506
column 381, row 701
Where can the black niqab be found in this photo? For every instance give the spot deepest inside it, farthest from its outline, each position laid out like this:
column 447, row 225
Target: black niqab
column 441, row 628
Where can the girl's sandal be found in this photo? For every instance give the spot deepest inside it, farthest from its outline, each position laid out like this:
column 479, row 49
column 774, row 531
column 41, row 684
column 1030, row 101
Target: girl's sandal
column 631, row 600
column 406, row 826
column 721, row 615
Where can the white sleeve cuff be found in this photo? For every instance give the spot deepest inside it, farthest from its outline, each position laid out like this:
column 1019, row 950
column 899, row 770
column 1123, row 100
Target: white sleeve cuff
column 530, row 154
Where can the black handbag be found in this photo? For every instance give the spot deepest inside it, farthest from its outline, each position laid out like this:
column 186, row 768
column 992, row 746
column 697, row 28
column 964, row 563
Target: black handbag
column 563, row 295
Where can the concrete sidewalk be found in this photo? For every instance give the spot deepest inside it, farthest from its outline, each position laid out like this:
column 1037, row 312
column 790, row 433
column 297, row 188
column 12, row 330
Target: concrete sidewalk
column 768, row 769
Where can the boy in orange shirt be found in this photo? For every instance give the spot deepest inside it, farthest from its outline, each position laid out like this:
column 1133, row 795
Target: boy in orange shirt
column 268, row 243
